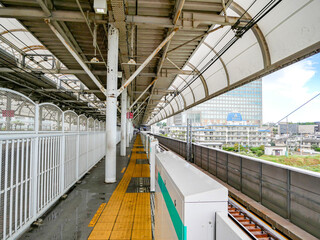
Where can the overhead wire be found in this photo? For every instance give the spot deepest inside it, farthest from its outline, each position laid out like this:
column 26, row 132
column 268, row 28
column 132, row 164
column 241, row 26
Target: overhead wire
column 239, row 32
column 198, row 73
column 305, row 103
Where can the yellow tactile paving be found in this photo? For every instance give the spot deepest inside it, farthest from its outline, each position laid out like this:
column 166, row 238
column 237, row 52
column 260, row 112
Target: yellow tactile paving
column 137, row 171
column 127, row 215
column 97, row 215
column 99, row 235
column 145, row 170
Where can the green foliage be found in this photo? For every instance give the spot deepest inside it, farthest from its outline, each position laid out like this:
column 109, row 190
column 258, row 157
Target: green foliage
column 237, row 147
column 307, row 123
column 228, row 148
column 314, row 146
column 259, row 153
column 161, row 124
column 317, row 149
column 254, row 149
column 311, row 163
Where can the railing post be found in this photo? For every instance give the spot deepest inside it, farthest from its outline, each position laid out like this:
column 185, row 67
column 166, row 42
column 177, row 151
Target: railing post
column 227, row 169
column 260, row 182
column 201, row 157
column 216, row 163
column 77, row 149
column 35, row 159
column 62, row 154
column 241, row 174
column 208, row 169
column 87, row 140
column 288, row 194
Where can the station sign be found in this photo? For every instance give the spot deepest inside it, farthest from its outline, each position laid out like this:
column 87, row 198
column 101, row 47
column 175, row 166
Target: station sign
column 7, row 113
column 129, row 115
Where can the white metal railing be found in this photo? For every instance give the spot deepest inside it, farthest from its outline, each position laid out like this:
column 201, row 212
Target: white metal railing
column 38, row 166
column 37, row 169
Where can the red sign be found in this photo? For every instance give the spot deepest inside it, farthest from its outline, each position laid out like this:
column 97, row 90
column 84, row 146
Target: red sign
column 129, row 115
column 7, row 113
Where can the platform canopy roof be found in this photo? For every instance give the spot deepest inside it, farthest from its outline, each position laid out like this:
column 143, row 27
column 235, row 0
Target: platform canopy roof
column 216, row 45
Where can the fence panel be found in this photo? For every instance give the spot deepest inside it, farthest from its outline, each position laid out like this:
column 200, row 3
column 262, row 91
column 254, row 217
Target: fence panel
column 15, row 184
column 49, row 170
column 83, row 153
column 70, row 174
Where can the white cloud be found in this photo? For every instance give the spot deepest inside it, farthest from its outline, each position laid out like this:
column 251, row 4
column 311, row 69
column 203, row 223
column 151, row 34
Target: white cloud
column 285, row 90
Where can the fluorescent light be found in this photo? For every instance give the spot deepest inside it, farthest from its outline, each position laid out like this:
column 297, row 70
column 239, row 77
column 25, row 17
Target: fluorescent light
column 100, row 6
column 100, row 10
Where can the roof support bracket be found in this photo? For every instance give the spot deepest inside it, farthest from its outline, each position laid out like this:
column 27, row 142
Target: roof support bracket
column 142, row 93
column 77, row 58
column 145, row 63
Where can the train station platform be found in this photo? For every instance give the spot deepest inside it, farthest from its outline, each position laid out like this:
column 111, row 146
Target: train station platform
column 93, row 210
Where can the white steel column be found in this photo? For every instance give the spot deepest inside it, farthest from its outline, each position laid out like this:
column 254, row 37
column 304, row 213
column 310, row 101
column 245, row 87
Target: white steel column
column 111, row 112
column 128, row 125
column 123, row 146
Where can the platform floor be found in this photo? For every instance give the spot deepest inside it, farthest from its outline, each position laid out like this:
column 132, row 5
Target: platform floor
column 94, row 210
column 127, row 215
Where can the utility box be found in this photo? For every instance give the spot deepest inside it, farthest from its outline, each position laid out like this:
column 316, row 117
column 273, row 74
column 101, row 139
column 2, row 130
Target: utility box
column 186, row 200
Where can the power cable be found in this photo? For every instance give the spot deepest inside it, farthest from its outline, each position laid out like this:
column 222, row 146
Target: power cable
column 295, row 110
column 240, row 31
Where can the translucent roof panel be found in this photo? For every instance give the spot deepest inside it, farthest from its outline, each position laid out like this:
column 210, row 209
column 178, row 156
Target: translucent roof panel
column 22, row 42
column 288, row 32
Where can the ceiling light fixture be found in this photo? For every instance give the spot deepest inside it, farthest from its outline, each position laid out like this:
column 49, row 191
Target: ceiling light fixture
column 100, row 6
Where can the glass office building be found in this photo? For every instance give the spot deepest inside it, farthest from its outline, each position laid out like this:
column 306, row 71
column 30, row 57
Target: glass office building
column 246, row 100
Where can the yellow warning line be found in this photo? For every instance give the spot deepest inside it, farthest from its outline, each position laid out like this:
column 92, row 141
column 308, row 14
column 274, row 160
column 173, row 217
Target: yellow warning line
column 127, row 215
column 97, row 215
column 123, row 169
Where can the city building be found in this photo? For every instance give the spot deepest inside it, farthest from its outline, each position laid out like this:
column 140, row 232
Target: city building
column 307, row 129
column 236, row 130
column 246, row 100
column 288, row 128
column 275, row 150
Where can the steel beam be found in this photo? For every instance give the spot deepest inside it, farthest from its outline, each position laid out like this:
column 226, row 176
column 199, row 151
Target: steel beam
column 111, row 111
column 140, row 105
column 77, row 58
column 56, row 15
column 123, row 122
column 147, row 88
column 128, row 123
column 145, row 63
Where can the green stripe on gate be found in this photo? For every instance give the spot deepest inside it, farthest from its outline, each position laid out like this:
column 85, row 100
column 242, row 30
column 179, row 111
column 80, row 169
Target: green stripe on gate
column 180, row 229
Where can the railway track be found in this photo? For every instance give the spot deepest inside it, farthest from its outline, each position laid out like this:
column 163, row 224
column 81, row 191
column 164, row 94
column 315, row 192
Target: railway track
column 252, row 224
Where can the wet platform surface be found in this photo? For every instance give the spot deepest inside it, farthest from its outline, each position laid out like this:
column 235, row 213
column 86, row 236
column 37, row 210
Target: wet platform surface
column 127, row 215
column 96, row 210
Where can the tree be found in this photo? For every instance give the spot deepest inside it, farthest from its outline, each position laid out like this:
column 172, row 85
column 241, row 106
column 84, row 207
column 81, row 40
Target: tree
column 237, row 148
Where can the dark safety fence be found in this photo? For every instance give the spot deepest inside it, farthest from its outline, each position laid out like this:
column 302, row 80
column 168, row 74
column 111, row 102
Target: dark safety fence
column 291, row 192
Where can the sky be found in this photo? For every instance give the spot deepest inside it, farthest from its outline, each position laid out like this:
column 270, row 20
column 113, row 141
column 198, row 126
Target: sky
column 285, row 90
